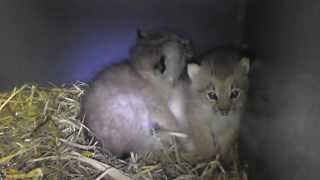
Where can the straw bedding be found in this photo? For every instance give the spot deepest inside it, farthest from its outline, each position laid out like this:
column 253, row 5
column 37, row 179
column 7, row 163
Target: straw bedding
column 42, row 137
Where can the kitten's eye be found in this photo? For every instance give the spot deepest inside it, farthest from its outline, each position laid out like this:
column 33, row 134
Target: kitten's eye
column 212, row 95
column 234, row 94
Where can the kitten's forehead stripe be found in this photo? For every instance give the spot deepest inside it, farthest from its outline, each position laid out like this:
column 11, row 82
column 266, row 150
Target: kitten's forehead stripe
column 221, row 73
column 222, row 70
column 221, row 66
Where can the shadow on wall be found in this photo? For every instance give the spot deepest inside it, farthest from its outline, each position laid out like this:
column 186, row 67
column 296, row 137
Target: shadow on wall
column 63, row 41
column 280, row 134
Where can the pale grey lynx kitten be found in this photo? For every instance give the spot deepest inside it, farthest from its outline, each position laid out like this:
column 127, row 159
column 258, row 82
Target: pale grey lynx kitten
column 217, row 96
column 127, row 100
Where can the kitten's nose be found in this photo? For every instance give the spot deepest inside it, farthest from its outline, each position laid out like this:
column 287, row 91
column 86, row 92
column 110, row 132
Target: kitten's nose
column 224, row 112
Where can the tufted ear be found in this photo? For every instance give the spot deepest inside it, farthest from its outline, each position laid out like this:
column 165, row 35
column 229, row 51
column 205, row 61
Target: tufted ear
column 193, row 70
column 244, row 65
column 141, row 34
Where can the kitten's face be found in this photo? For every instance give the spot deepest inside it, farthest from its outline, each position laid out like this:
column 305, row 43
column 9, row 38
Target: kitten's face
column 161, row 55
column 223, row 86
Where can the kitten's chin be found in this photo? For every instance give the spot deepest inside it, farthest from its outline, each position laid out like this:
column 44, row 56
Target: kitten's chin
column 225, row 114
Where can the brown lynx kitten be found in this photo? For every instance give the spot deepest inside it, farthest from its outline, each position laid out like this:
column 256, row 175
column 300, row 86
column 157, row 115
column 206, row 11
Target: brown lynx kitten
column 127, row 101
column 216, row 101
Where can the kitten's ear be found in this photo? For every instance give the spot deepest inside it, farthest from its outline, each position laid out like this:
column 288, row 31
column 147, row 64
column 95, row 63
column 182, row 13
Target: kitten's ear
column 193, row 70
column 244, row 65
column 141, row 34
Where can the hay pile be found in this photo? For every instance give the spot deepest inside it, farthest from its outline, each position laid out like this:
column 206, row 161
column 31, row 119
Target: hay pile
column 42, row 137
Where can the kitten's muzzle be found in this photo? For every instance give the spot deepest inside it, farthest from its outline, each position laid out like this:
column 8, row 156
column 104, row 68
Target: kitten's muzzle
column 224, row 111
